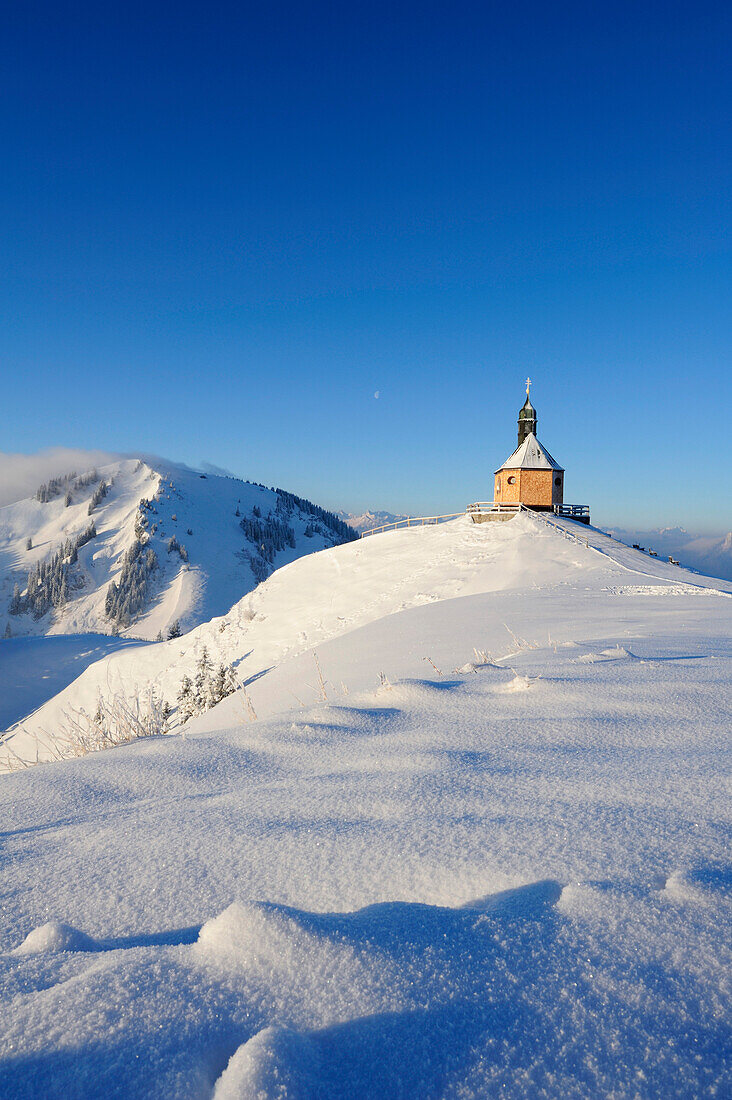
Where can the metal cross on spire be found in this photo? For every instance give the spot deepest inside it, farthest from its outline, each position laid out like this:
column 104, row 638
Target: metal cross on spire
column 528, row 386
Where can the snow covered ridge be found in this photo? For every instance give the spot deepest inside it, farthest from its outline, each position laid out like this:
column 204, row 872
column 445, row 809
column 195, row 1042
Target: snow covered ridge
column 302, row 607
column 136, row 550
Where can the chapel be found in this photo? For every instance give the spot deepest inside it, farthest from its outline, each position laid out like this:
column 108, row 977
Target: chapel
column 530, row 475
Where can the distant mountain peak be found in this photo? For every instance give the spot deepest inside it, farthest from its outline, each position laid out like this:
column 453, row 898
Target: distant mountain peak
column 139, row 549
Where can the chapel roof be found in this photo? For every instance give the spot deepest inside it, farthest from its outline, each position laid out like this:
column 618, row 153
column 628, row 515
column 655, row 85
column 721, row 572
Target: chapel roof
column 530, row 456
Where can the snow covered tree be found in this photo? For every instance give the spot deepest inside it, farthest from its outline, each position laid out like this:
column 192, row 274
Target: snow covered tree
column 186, row 706
column 15, row 603
column 98, row 496
column 201, row 682
column 127, row 598
column 174, row 629
column 29, row 543
column 223, row 683
column 86, row 479
column 207, row 689
column 51, row 581
column 141, row 522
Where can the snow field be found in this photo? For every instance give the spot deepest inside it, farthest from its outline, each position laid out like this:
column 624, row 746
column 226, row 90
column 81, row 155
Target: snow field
column 433, row 887
column 476, row 843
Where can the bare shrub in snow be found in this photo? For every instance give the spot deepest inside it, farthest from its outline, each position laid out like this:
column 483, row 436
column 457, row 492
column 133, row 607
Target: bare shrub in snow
column 518, row 641
column 116, row 721
column 321, row 680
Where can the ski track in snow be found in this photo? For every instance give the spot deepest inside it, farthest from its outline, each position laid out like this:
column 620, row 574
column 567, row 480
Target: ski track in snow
column 500, row 871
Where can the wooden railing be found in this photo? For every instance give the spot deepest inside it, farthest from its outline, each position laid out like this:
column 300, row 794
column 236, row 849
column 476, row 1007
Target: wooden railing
column 479, row 508
column 493, row 506
column 410, row 521
column 571, row 511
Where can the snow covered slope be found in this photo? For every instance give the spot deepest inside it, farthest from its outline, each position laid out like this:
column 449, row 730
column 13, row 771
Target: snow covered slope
column 209, row 565
column 710, row 554
column 502, row 871
column 326, row 595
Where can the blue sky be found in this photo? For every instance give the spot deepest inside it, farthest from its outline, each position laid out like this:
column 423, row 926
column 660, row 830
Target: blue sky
column 224, row 229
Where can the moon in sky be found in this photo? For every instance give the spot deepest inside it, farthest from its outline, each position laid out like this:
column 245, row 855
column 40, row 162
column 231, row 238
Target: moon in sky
column 376, row 395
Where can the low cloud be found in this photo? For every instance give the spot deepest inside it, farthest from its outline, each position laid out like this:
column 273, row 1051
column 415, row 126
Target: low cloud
column 218, row 471
column 20, row 475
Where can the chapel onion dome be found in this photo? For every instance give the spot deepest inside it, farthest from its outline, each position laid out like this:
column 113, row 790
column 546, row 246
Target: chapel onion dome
column 528, row 412
column 527, row 421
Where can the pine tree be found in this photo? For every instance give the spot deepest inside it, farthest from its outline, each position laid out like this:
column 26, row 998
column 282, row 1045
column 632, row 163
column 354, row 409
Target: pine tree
column 174, row 629
column 16, row 605
column 217, row 689
column 185, row 699
column 201, row 684
column 29, row 543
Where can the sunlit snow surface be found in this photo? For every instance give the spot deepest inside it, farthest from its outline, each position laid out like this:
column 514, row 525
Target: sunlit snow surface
column 509, row 879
